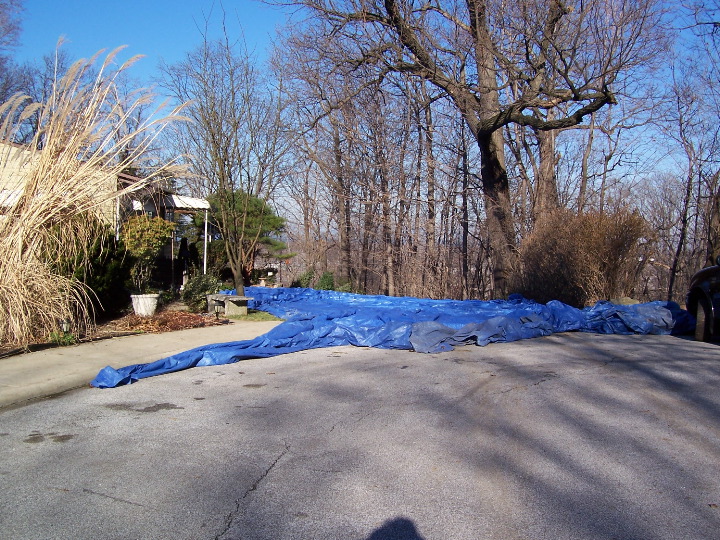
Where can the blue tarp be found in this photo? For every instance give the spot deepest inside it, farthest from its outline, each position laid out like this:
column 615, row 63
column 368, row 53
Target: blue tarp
column 327, row 318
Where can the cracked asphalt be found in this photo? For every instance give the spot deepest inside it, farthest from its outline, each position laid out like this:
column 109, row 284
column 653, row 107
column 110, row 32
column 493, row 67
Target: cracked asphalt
column 565, row 437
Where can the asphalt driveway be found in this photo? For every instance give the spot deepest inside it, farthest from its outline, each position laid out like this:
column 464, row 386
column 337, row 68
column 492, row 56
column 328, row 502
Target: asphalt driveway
column 572, row 436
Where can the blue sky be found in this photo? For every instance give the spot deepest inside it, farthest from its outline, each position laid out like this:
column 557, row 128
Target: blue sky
column 158, row 29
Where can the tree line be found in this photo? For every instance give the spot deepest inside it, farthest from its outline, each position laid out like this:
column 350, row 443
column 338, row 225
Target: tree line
column 465, row 149
column 438, row 137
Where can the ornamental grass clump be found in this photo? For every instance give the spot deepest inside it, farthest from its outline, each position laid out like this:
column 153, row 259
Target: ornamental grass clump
column 57, row 193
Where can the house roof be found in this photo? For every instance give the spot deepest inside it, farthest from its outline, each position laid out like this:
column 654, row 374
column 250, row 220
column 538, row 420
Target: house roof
column 9, row 197
column 171, row 201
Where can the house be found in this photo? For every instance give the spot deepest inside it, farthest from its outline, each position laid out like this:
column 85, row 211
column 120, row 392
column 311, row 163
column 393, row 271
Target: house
column 157, row 201
column 14, row 163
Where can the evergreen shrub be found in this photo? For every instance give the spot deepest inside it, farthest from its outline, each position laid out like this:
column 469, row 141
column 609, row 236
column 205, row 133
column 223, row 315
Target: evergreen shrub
column 196, row 290
column 107, row 272
column 305, row 279
column 326, row 282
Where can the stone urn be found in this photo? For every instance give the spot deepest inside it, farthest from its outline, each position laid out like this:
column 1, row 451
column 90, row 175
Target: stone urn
column 145, row 304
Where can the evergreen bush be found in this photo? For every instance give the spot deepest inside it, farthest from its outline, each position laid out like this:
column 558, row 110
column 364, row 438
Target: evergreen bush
column 326, row 282
column 196, row 290
column 108, row 269
column 305, row 279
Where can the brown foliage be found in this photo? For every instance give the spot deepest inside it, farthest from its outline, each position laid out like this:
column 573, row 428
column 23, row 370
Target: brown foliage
column 580, row 259
column 165, row 321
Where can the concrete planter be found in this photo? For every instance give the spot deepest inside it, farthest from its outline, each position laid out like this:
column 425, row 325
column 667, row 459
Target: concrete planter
column 145, row 304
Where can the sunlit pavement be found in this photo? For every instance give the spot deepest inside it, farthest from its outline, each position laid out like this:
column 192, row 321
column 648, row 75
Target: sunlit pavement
column 51, row 371
column 566, row 437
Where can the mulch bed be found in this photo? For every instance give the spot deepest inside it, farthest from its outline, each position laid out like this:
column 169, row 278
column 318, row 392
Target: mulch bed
column 164, row 321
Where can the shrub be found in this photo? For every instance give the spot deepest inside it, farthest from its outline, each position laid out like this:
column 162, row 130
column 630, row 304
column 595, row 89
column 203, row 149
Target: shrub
column 580, row 259
column 109, row 268
column 326, row 282
column 305, row 279
column 345, row 287
column 196, row 290
column 144, row 237
column 62, row 339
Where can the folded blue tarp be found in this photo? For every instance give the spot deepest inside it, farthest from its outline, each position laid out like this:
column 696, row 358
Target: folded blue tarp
column 327, row 318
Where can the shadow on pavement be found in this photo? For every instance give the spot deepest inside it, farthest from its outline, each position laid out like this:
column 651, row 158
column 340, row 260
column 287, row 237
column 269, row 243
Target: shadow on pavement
column 396, row 529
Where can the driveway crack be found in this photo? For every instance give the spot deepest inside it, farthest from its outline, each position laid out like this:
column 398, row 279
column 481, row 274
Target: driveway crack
column 116, row 499
column 238, row 502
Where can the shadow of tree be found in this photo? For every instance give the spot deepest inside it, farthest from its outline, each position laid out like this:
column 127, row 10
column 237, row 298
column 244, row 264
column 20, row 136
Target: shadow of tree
column 564, row 437
column 590, row 436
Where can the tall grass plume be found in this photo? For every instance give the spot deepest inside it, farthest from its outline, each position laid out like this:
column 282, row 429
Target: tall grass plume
column 58, row 193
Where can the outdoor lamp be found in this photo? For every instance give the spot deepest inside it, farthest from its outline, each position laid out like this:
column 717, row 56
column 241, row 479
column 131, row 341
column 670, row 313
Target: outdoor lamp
column 217, row 310
column 65, row 325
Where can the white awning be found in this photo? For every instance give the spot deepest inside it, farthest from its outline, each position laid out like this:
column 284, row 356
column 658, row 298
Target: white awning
column 182, row 202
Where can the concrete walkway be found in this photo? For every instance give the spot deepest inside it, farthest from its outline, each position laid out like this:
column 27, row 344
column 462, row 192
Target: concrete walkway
column 45, row 373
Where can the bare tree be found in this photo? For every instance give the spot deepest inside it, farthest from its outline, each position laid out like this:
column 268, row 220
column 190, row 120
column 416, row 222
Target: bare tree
column 698, row 141
column 682, row 198
column 36, row 80
column 556, row 53
column 9, row 23
column 235, row 142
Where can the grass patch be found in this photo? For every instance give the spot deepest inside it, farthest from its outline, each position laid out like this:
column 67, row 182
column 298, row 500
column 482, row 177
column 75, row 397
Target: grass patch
column 62, row 339
column 255, row 315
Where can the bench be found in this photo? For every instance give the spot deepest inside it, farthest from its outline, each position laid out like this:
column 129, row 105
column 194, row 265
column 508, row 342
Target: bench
column 232, row 304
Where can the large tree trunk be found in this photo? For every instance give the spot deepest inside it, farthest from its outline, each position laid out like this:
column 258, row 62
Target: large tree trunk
column 389, row 266
column 368, row 231
column 498, row 209
column 246, row 277
column 237, row 271
column 496, row 189
column 464, row 217
column 430, row 269
column 684, row 220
